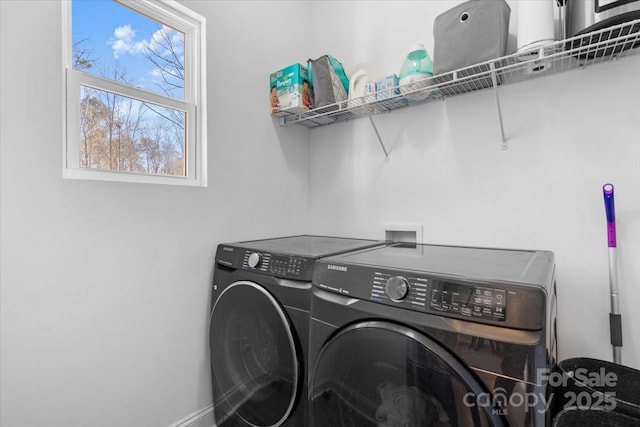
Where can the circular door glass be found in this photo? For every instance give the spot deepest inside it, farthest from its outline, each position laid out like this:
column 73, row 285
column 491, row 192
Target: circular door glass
column 254, row 359
column 380, row 374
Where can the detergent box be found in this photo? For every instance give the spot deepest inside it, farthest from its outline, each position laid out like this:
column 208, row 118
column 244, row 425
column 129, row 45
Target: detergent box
column 387, row 87
column 291, row 90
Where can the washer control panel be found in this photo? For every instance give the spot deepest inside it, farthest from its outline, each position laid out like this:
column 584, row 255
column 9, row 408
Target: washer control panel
column 481, row 302
column 423, row 293
column 468, row 300
column 512, row 304
column 274, row 264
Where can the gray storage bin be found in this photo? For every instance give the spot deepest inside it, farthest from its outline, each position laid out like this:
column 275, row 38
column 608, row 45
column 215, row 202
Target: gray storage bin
column 593, row 418
column 470, row 33
column 627, row 388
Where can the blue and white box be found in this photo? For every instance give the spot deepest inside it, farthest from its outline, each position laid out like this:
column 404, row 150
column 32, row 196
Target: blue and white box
column 387, row 87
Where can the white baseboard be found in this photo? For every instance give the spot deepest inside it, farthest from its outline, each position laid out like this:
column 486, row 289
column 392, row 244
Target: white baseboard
column 201, row 418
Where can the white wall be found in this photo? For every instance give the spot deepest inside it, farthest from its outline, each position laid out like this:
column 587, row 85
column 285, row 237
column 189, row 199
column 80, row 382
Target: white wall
column 568, row 134
column 104, row 286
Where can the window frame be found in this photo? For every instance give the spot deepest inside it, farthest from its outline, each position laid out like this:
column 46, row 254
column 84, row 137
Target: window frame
column 193, row 25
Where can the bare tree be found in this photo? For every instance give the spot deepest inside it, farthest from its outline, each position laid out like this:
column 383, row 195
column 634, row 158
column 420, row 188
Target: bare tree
column 82, row 56
column 93, row 114
column 164, row 54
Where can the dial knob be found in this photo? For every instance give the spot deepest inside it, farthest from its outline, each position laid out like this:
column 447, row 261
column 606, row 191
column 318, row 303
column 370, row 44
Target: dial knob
column 397, row 288
column 254, row 260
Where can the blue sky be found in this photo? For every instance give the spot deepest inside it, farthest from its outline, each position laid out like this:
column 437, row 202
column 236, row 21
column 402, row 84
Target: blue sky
column 114, row 34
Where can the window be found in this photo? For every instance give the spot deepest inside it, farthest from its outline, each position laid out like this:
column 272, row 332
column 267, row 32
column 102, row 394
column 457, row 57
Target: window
column 135, row 92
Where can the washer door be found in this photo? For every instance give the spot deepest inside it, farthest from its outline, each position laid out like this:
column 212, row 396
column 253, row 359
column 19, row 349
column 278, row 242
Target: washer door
column 254, row 358
column 382, row 374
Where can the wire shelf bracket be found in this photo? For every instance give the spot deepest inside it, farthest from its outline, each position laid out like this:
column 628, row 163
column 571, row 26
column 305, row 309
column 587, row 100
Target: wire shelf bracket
column 375, row 129
column 494, row 81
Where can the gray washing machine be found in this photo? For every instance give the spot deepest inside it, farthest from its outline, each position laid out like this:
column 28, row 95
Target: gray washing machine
column 259, row 327
column 425, row 335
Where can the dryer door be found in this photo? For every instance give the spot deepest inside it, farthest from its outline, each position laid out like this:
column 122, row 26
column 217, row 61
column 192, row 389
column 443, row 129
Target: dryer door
column 383, row 374
column 254, row 357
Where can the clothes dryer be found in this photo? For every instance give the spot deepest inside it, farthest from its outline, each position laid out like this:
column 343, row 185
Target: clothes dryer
column 432, row 336
column 259, row 327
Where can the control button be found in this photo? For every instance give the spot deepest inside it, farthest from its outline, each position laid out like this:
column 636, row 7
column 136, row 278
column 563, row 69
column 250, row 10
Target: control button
column 254, row 260
column 397, row 288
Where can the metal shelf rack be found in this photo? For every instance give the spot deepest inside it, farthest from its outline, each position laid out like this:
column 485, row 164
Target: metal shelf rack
column 605, row 45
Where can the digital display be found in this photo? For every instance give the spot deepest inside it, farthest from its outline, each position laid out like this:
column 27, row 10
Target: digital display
column 286, row 265
column 469, row 300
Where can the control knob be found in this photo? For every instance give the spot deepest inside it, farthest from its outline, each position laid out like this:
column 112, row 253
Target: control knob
column 254, row 260
column 397, row 288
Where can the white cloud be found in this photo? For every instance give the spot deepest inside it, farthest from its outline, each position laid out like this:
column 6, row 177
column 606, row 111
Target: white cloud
column 123, row 41
column 160, row 38
column 125, row 33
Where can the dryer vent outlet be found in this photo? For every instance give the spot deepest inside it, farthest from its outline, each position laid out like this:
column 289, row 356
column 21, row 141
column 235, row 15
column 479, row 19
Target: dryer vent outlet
column 401, row 236
column 402, row 232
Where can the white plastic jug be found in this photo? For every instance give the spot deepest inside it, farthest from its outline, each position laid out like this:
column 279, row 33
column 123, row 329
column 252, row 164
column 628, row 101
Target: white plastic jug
column 358, row 87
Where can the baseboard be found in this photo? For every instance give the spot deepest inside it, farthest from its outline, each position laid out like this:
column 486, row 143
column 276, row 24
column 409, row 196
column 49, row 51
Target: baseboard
column 201, row 418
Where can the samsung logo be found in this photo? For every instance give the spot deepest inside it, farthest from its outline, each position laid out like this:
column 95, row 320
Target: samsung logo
column 336, row 267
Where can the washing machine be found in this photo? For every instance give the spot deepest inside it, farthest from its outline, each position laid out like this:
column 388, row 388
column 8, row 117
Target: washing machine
column 259, row 327
column 432, row 336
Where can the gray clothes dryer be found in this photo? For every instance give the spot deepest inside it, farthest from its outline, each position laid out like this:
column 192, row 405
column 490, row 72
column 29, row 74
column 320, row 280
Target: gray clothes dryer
column 426, row 335
column 259, row 324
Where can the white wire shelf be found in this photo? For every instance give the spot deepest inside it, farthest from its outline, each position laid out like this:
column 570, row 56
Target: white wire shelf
column 596, row 47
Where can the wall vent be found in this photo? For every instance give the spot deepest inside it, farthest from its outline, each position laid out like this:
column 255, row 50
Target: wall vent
column 399, row 232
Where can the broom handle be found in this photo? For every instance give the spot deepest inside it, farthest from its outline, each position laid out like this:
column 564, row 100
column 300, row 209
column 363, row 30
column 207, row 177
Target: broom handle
column 615, row 320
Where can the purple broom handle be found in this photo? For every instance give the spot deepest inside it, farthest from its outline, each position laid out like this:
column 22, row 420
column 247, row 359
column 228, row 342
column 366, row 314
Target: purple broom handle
column 607, row 191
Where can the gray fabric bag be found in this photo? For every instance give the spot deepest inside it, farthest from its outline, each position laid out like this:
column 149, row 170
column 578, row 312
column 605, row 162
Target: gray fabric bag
column 330, row 83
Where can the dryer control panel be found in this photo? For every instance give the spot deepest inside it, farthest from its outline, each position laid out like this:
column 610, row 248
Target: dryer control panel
column 274, row 264
column 278, row 265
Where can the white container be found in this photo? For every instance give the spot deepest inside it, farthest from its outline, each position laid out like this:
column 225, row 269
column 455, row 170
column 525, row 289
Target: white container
column 536, row 27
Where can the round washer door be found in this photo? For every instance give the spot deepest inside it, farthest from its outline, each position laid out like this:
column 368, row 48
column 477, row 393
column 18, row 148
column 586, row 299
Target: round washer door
column 254, row 358
column 378, row 373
